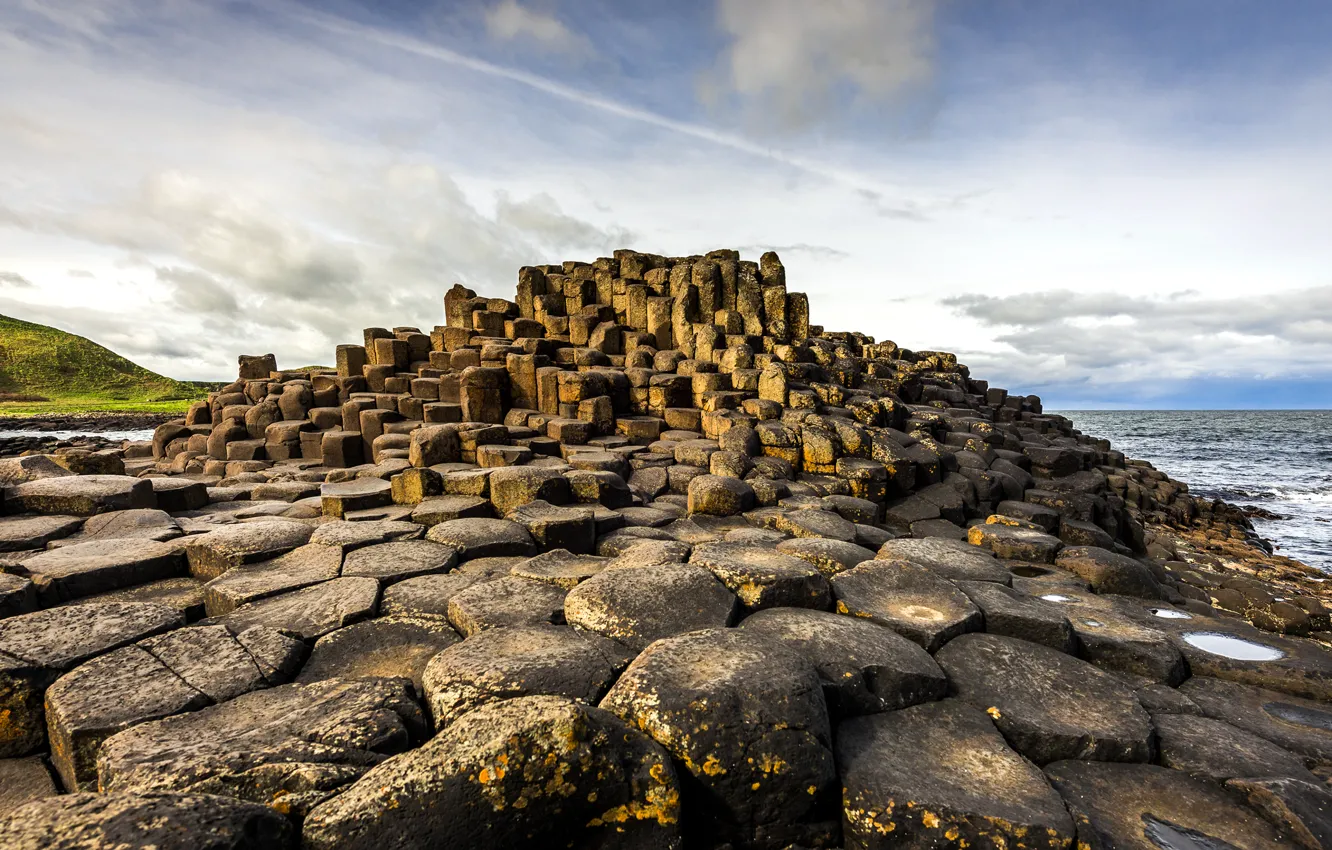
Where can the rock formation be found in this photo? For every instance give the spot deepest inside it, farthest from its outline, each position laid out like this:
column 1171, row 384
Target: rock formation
column 642, row 558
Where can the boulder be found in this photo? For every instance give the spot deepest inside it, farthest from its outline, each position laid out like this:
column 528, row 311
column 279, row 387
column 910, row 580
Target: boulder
column 18, row 470
column 1050, row 706
column 513, row 774
column 289, row 747
column 475, row 537
column 554, row 527
column 18, row 534
column 36, row 648
column 1215, row 750
column 503, row 663
column 829, row 556
column 717, row 495
column 909, row 599
column 1302, row 810
column 762, row 577
column 510, row 601
column 393, row 562
column 1012, row 614
column 940, row 775
column 561, row 568
column 142, row 524
column 1302, row 726
column 80, row 495
column 865, row 668
column 158, row 821
column 638, row 605
column 385, row 647
column 1109, row 572
column 1016, row 544
column 426, row 595
column 301, row 567
column 311, row 612
column 85, row 569
column 349, row 536
column 743, row 715
column 212, row 554
column 954, row 560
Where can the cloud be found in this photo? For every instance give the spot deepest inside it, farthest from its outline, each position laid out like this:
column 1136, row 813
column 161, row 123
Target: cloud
column 821, row 252
column 15, row 280
column 1103, row 339
column 542, row 220
column 793, row 62
column 508, row 20
column 84, row 273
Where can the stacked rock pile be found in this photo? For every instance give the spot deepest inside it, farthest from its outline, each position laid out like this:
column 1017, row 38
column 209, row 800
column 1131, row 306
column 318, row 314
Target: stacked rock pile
column 641, row 559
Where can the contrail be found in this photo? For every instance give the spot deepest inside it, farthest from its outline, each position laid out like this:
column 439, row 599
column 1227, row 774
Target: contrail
column 547, row 86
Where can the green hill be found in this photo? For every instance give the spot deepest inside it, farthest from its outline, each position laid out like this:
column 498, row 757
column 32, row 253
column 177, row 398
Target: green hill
column 43, row 369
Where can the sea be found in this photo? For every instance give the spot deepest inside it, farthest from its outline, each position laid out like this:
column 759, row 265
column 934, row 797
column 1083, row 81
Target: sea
column 1277, row 460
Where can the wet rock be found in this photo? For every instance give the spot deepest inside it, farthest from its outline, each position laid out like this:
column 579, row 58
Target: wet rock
column 951, row 559
column 940, row 775
column 751, row 756
column 1115, row 637
column 289, row 747
column 1141, row 806
column 1017, row 544
column 80, row 495
column 1108, row 572
column 1234, row 650
column 212, row 554
column 1215, row 750
column 483, row 538
column 907, row 598
column 829, row 556
column 1049, row 705
column 764, row 578
column 36, row 648
column 1302, row 810
column 385, row 647
column 22, row 781
column 865, row 667
column 504, row 663
column 1299, row 725
column 1017, row 615
column 312, row 611
column 638, row 605
column 516, row 772
column 393, row 562
column 511, row 601
column 158, row 821
column 34, row 532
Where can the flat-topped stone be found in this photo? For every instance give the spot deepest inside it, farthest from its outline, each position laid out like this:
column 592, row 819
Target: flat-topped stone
column 86, row 569
column 80, row 495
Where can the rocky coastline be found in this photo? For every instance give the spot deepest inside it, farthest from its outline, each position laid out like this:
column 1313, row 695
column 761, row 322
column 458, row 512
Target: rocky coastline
column 643, row 558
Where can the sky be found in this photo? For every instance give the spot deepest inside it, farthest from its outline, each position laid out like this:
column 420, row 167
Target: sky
column 1121, row 204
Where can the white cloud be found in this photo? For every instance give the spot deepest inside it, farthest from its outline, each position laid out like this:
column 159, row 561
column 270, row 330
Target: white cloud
column 509, row 20
column 15, row 280
column 793, row 62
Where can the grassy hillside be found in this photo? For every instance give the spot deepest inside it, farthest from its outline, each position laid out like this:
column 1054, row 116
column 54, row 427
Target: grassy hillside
column 75, row 374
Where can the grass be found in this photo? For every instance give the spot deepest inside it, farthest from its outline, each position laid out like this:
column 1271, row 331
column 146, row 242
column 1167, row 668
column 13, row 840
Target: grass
column 79, row 376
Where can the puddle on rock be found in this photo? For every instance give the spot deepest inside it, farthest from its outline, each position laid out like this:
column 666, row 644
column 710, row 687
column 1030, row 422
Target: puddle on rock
column 1229, row 646
column 1095, row 624
column 1057, row 597
column 1300, row 715
column 1171, row 614
column 1169, row 836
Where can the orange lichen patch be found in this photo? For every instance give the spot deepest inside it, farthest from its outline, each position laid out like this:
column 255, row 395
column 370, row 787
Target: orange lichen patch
column 929, row 819
column 712, row 766
column 993, row 712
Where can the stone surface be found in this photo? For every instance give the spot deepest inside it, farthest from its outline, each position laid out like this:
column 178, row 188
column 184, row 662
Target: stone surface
column 638, row 605
column 939, row 775
column 212, row 554
column 510, row 601
column 289, row 747
column 22, row 781
column 80, row 495
column 393, row 562
column 909, row 599
column 504, row 663
column 764, row 578
column 483, row 538
column 743, row 716
column 1147, row 808
column 158, row 821
column 385, row 647
column 518, row 773
column 21, row 533
column 951, row 559
column 1212, row 749
column 1050, row 706
column 865, row 668
column 311, row 612
column 1109, row 572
